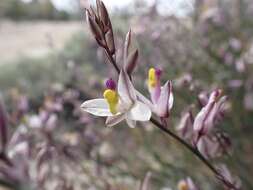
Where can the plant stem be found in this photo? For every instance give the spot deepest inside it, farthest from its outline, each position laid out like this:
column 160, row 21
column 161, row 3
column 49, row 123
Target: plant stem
column 189, row 147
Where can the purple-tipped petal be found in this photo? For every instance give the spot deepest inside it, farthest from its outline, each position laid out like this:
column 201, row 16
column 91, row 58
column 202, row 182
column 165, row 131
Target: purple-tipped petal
column 206, row 118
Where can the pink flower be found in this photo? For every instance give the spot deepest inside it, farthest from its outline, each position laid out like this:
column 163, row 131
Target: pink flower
column 161, row 96
column 208, row 115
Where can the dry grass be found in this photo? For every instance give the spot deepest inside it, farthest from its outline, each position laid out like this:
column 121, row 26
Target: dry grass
column 33, row 38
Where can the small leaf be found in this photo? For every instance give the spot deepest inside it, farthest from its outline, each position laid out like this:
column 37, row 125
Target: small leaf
column 110, row 41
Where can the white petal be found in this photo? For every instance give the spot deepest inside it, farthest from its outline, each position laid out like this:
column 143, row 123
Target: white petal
column 98, row 107
column 131, row 123
column 143, row 99
column 113, row 120
column 171, row 99
column 139, row 112
column 126, row 89
column 162, row 107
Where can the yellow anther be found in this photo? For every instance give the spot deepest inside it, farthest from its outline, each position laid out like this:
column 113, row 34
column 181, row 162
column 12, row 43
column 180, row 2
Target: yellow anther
column 112, row 99
column 152, row 77
column 182, row 185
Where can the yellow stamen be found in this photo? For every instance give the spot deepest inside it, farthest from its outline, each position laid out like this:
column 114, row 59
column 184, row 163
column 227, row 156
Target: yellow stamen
column 112, row 98
column 182, row 186
column 151, row 78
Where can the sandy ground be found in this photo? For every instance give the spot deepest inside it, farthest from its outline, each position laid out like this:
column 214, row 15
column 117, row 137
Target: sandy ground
column 33, row 38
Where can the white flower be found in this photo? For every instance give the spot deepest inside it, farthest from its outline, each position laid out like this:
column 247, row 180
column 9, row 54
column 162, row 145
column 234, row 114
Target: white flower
column 119, row 105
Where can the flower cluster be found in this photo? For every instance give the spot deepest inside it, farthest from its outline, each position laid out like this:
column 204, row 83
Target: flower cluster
column 201, row 130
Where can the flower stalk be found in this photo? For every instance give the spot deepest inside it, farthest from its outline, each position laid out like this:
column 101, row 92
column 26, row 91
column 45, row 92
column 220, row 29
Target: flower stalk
column 162, row 126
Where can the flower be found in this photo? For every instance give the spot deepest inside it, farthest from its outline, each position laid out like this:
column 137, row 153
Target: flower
column 210, row 113
column 161, row 97
column 119, row 104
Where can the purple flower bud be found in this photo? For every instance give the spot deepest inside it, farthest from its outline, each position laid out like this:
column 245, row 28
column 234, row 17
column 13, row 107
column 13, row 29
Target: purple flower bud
column 185, row 126
column 110, row 84
column 208, row 115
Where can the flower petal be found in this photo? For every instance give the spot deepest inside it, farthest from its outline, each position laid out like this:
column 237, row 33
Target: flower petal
column 131, row 123
column 126, row 89
column 163, row 104
column 98, row 107
column 143, row 99
column 139, row 112
column 113, row 120
column 171, row 97
column 205, row 118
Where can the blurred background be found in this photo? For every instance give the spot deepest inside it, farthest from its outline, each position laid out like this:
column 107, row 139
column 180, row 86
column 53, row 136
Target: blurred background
column 50, row 64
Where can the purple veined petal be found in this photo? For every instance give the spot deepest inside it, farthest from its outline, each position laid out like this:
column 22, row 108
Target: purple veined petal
column 200, row 120
column 126, row 89
column 185, row 127
column 221, row 103
column 214, row 95
column 139, row 112
column 162, row 107
column 113, row 120
column 98, row 107
column 131, row 123
column 143, row 99
column 210, row 119
column 3, row 126
column 208, row 147
column 205, row 119
column 155, row 93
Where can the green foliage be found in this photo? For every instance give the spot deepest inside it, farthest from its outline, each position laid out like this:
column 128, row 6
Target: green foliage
column 18, row 10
